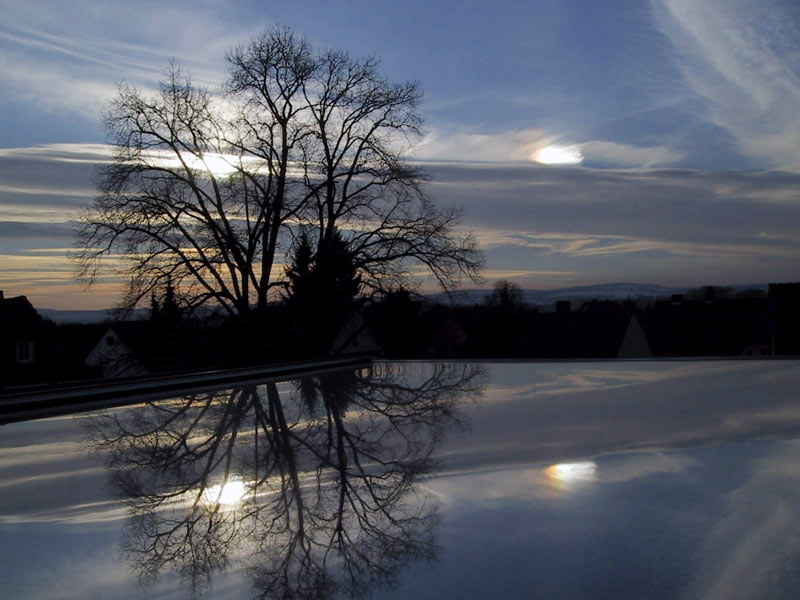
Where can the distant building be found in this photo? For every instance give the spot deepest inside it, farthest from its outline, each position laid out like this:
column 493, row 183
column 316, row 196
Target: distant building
column 784, row 317
column 707, row 326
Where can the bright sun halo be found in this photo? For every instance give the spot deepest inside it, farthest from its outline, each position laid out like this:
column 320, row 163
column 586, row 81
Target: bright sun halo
column 558, row 155
column 218, row 164
column 231, row 493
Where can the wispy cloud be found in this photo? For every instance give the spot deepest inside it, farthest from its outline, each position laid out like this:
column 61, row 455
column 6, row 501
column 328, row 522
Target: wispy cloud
column 69, row 61
column 76, row 152
column 742, row 59
column 494, row 274
column 511, row 146
column 627, row 155
column 525, row 146
column 674, row 227
column 544, row 227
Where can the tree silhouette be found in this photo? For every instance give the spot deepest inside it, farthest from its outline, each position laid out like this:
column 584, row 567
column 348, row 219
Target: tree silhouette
column 506, row 295
column 166, row 311
column 321, row 291
column 207, row 189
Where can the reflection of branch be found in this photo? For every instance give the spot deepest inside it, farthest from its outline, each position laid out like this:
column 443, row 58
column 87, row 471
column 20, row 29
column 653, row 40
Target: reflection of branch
column 327, row 475
column 164, row 459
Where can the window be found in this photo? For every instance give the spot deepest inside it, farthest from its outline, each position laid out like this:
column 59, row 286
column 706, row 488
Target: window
column 24, row 353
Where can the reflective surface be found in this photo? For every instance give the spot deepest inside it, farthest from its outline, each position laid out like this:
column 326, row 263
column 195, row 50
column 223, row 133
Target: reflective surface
column 599, row 480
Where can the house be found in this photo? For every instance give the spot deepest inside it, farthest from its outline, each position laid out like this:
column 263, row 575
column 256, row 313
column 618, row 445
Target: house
column 112, row 356
column 134, row 348
column 22, row 333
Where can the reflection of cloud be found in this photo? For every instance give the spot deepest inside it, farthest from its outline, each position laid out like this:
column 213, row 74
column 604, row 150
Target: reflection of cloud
column 72, row 574
column 532, row 480
column 76, row 514
column 560, row 412
column 757, row 540
column 566, row 379
column 19, row 456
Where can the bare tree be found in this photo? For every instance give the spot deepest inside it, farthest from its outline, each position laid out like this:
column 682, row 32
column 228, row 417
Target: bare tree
column 356, row 126
column 506, row 295
column 207, row 190
column 164, row 212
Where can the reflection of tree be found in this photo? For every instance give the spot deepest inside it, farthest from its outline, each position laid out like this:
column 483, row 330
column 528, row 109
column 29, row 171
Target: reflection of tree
column 313, row 487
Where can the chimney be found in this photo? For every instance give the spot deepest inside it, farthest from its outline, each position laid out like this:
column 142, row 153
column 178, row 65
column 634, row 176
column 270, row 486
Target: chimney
column 1, row 295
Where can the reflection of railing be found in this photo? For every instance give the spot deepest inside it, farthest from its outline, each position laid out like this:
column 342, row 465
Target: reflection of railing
column 311, row 488
column 50, row 400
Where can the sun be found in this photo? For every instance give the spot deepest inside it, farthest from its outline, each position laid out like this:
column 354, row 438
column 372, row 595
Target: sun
column 558, row 155
column 569, row 476
column 219, row 165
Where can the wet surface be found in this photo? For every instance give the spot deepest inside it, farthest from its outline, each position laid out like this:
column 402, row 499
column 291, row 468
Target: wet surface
column 598, row 480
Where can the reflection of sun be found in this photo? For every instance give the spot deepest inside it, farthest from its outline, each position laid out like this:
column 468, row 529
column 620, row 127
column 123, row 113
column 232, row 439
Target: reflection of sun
column 230, row 493
column 558, row 155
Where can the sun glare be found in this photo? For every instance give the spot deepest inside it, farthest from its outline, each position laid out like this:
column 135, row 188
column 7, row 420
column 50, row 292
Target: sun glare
column 558, row 155
column 566, row 475
column 218, row 165
column 230, row 493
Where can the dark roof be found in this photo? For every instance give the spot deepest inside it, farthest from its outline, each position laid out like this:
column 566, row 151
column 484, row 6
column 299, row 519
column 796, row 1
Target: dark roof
column 17, row 314
column 78, row 339
column 161, row 349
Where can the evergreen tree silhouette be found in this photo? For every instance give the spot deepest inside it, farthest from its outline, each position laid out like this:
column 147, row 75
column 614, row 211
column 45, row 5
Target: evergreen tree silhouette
column 321, row 291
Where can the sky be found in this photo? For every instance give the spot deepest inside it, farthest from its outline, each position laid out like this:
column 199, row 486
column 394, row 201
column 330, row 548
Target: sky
column 648, row 141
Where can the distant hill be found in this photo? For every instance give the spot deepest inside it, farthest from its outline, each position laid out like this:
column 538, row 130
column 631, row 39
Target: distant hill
column 609, row 291
column 84, row 316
